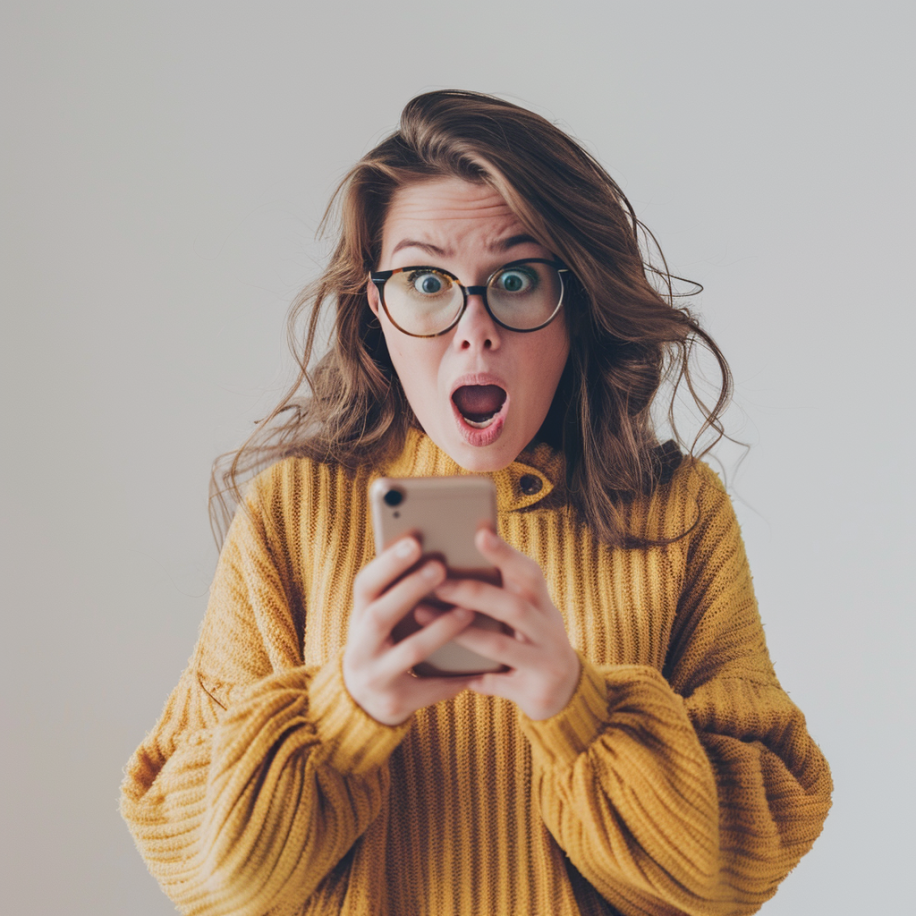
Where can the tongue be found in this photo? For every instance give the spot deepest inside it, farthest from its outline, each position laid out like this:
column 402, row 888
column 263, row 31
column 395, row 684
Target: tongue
column 477, row 402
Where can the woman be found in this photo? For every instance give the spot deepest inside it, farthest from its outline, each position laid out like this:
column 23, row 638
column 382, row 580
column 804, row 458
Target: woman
column 639, row 755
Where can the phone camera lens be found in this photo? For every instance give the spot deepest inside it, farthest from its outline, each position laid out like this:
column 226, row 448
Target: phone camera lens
column 394, row 497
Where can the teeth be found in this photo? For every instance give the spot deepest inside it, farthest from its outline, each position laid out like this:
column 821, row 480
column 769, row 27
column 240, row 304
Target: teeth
column 483, row 423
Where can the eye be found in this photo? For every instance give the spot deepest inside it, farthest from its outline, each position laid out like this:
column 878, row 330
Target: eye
column 428, row 282
column 516, row 280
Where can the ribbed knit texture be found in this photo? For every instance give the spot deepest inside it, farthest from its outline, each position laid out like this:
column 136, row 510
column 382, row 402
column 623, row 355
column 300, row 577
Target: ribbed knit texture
column 680, row 778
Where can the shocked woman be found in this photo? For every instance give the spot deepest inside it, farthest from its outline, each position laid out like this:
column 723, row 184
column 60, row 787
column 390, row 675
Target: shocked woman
column 634, row 753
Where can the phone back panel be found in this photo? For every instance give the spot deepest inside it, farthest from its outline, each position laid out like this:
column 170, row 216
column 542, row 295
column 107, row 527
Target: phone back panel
column 445, row 513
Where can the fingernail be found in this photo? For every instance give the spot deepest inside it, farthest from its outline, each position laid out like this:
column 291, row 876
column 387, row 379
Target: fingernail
column 406, row 547
column 421, row 615
column 462, row 613
column 431, row 571
column 489, row 539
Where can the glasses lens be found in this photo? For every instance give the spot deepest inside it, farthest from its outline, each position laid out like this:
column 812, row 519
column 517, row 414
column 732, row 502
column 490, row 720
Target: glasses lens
column 525, row 295
column 423, row 300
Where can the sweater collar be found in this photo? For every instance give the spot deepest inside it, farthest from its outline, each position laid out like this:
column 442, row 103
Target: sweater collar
column 526, row 481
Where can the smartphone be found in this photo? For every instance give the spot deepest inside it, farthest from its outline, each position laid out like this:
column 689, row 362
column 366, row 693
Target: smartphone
column 444, row 514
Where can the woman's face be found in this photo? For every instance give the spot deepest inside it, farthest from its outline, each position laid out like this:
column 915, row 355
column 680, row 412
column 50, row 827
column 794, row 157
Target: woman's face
column 454, row 381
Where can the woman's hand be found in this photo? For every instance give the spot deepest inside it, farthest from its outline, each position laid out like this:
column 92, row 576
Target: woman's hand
column 375, row 668
column 544, row 667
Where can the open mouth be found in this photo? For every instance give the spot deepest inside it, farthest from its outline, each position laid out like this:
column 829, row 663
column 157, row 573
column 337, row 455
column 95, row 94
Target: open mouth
column 479, row 404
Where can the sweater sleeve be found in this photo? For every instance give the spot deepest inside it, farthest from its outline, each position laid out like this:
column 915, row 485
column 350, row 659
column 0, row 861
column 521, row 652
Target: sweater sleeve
column 261, row 772
column 698, row 789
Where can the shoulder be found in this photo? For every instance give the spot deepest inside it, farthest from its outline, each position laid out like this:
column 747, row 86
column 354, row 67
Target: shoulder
column 682, row 505
column 683, row 476
column 295, row 478
column 705, row 506
column 695, row 478
column 296, row 493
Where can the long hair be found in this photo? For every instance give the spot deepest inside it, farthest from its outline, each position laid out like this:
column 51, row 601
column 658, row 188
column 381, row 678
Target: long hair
column 627, row 334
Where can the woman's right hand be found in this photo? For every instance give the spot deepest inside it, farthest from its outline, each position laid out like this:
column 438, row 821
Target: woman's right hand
column 375, row 667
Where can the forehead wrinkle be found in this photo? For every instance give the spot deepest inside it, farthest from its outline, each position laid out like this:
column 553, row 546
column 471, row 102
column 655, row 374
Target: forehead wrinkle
column 443, row 219
column 442, row 236
column 449, row 197
column 448, row 210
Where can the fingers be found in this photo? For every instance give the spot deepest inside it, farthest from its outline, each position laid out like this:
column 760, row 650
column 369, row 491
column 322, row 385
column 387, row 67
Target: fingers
column 376, row 668
column 490, row 643
column 520, row 573
column 391, row 700
column 489, row 684
column 420, row 645
column 384, row 612
column 496, row 646
column 380, row 682
column 379, row 573
column 425, row 613
column 502, row 605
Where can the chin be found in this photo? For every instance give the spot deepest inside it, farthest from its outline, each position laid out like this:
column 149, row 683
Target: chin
column 483, row 463
column 480, row 460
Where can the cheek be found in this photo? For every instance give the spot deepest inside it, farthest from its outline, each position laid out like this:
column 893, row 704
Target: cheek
column 550, row 359
column 416, row 366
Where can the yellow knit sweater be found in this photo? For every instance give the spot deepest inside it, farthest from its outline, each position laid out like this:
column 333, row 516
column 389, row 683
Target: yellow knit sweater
column 680, row 778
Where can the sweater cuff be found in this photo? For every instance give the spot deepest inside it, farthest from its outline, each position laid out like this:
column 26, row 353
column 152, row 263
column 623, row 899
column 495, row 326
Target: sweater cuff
column 353, row 741
column 561, row 738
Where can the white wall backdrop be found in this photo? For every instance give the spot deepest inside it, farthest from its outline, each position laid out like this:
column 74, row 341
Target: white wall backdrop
column 164, row 168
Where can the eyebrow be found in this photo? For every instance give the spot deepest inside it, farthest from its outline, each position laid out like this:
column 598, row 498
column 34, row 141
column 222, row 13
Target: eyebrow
column 500, row 246
column 513, row 240
column 426, row 246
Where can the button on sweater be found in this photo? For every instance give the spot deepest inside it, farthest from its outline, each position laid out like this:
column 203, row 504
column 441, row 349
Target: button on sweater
column 680, row 777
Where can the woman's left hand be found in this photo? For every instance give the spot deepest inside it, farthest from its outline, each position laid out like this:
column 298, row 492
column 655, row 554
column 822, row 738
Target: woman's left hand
column 544, row 667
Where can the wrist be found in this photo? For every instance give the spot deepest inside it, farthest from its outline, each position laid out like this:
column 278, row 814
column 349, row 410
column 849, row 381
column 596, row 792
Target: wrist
column 559, row 695
column 373, row 702
column 561, row 738
column 350, row 739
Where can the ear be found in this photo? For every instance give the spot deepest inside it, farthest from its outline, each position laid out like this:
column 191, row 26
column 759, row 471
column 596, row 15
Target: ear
column 373, row 297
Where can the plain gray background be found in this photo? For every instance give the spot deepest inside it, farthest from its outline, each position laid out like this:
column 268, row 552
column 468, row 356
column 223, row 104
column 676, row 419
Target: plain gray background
column 164, row 168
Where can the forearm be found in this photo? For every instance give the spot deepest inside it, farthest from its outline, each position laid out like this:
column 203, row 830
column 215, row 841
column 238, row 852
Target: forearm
column 627, row 791
column 773, row 782
column 249, row 810
column 670, row 806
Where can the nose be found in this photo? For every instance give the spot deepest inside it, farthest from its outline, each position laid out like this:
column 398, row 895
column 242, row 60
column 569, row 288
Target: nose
column 477, row 330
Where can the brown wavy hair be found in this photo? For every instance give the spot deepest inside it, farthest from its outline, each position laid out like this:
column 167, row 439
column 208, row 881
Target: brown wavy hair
column 627, row 333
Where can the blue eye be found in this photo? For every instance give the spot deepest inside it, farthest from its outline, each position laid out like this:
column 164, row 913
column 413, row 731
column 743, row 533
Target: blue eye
column 428, row 283
column 515, row 281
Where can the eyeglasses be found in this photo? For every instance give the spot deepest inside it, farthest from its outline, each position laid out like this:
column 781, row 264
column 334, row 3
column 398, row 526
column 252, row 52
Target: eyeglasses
column 428, row 301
